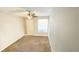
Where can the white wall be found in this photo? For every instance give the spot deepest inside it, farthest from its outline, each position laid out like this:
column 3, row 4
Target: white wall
column 51, row 33
column 29, row 26
column 32, row 28
column 11, row 29
column 64, row 29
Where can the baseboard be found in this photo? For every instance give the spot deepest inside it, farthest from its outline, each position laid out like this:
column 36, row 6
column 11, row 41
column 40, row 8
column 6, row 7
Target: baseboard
column 37, row 35
column 11, row 43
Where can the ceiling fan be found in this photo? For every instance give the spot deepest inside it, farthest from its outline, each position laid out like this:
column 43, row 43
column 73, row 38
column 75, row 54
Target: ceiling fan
column 29, row 14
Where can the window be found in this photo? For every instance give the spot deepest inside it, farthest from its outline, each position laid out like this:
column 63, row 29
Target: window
column 42, row 25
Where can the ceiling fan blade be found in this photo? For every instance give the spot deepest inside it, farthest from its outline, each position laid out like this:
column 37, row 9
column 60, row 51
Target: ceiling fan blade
column 25, row 13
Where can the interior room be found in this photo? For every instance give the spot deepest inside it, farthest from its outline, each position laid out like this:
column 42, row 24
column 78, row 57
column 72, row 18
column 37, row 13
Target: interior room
column 25, row 29
column 39, row 29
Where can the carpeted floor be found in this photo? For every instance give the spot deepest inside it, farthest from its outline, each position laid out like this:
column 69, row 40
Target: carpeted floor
column 30, row 44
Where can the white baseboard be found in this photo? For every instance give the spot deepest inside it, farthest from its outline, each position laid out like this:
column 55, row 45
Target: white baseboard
column 38, row 34
column 11, row 43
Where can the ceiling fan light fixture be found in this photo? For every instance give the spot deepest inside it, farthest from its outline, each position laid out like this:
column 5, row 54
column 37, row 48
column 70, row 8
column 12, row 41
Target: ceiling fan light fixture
column 29, row 17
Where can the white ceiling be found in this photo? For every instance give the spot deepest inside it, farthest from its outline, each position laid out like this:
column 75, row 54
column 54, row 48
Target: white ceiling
column 20, row 11
column 40, row 11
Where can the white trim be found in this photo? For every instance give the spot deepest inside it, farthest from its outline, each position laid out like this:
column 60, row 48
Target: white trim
column 12, row 42
column 38, row 34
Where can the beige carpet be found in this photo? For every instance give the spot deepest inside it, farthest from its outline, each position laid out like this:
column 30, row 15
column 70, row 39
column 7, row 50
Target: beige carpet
column 30, row 44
